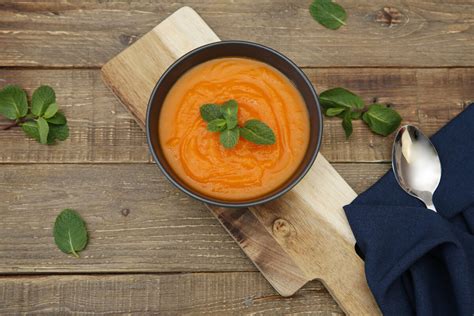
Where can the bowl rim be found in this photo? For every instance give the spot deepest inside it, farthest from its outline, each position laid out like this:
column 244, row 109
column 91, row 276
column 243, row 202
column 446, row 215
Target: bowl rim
column 235, row 204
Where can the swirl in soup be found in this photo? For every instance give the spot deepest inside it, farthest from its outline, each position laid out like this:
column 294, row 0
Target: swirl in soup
column 248, row 170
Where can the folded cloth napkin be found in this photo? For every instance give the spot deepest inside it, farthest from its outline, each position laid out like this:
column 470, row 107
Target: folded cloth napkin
column 418, row 261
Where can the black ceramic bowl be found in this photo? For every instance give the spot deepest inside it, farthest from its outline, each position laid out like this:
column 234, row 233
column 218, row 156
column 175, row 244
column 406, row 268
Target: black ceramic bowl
column 234, row 49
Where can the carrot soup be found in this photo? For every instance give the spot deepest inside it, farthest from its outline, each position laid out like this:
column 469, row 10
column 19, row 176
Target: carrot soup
column 248, row 170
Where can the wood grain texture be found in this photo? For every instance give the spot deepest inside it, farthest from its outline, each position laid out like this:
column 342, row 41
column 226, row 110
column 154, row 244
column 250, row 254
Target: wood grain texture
column 102, row 131
column 167, row 232
column 299, row 246
column 87, row 34
column 270, row 258
column 317, row 199
column 139, row 68
column 172, row 294
column 416, row 34
column 137, row 221
column 310, row 226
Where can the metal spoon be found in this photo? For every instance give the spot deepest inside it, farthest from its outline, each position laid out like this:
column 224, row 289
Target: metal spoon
column 416, row 164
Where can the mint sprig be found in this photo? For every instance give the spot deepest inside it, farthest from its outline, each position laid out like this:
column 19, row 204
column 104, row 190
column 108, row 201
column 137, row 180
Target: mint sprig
column 348, row 106
column 223, row 119
column 42, row 121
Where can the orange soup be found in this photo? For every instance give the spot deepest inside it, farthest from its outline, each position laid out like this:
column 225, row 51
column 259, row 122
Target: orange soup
column 248, row 170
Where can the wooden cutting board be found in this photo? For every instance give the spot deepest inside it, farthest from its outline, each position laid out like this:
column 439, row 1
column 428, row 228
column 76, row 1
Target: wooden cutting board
column 302, row 236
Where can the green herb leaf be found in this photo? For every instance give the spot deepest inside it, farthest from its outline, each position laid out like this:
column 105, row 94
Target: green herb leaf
column 44, row 111
column 258, row 132
column 43, row 129
column 57, row 132
column 51, row 110
column 347, row 123
column 356, row 115
column 335, row 111
column 382, row 120
column 230, row 137
column 328, row 14
column 217, row 125
column 31, row 129
column 229, row 111
column 57, row 119
column 342, row 103
column 340, row 97
column 13, row 102
column 210, row 112
column 41, row 99
column 70, row 233
column 226, row 123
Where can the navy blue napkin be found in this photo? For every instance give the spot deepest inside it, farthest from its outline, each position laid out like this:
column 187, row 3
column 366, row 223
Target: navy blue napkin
column 418, row 262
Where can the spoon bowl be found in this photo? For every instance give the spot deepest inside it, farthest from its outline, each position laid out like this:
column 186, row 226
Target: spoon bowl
column 416, row 164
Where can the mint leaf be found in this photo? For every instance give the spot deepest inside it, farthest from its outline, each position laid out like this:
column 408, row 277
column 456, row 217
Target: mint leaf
column 31, row 129
column 43, row 129
column 57, row 132
column 382, row 120
column 334, row 111
column 51, row 110
column 41, row 99
column 13, row 102
column 57, row 119
column 210, row 112
column 70, row 233
column 347, row 123
column 356, row 115
column 229, row 111
column 258, row 132
column 340, row 97
column 230, row 137
column 328, row 14
column 217, row 125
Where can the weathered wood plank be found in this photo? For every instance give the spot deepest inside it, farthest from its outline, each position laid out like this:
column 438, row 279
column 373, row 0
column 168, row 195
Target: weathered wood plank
column 75, row 33
column 198, row 294
column 137, row 221
column 103, row 131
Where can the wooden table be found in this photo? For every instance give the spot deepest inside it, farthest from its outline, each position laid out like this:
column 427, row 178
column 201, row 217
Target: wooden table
column 152, row 249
